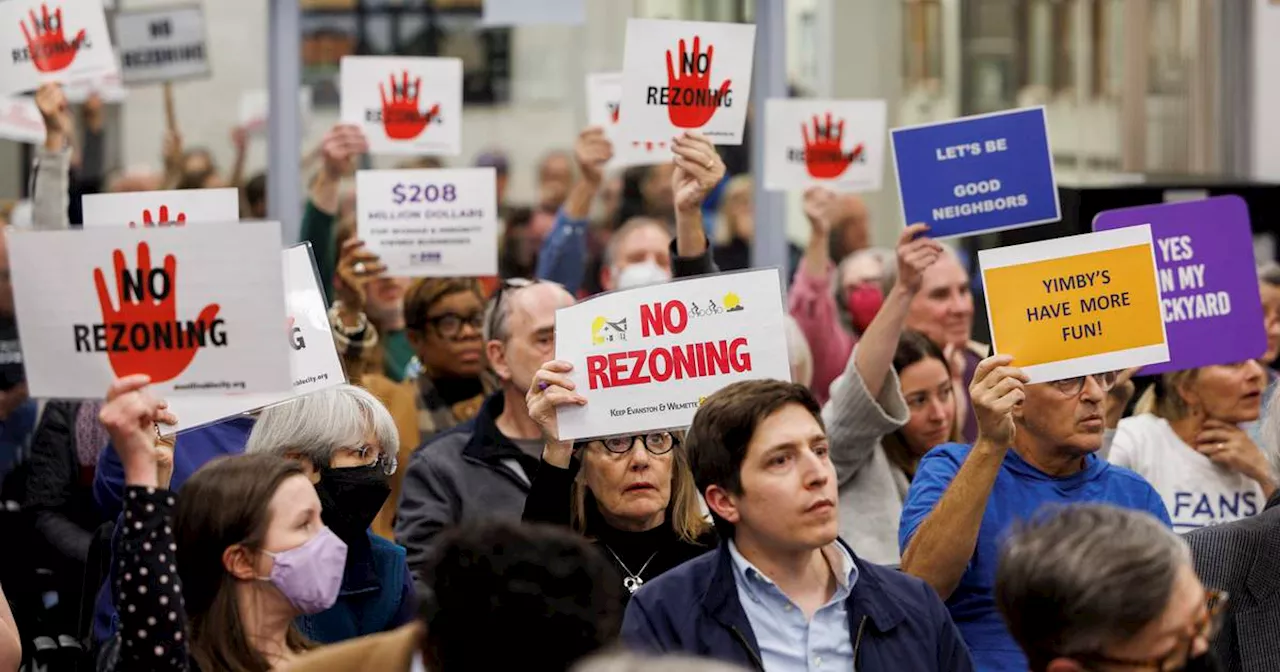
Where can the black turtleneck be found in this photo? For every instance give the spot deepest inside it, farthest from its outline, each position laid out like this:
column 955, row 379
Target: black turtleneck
column 548, row 502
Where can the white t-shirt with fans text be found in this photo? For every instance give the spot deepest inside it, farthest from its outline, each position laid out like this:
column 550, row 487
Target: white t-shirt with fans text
column 1197, row 492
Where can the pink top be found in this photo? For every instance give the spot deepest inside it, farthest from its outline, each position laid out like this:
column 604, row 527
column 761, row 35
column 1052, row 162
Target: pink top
column 812, row 303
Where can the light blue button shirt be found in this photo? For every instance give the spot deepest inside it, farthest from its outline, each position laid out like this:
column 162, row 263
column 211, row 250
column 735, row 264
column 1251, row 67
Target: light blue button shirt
column 787, row 640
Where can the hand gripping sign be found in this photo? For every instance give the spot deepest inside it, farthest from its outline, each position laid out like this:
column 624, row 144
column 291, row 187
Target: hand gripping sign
column 604, row 107
column 405, row 105
column 1075, row 306
column 198, row 309
column 313, row 358
column 162, row 208
column 1209, row 290
column 646, row 358
column 681, row 75
column 839, row 144
column 60, row 41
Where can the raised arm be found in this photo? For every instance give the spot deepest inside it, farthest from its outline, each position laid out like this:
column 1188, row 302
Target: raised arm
column 941, row 547
column 810, row 299
column 549, row 495
column 50, row 191
column 340, row 146
column 875, row 352
column 563, row 255
column 698, row 171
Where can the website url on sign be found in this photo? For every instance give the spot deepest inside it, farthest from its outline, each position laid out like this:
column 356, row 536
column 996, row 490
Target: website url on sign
column 216, row 385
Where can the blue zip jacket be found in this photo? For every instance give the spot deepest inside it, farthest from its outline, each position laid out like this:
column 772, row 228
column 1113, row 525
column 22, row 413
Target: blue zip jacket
column 376, row 595
column 896, row 622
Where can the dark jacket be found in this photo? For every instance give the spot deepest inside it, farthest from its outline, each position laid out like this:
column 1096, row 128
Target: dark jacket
column 59, row 491
column 1243, row 558
column 657, row 550
column 376, row 595
column 469, row 473
column 896, row 622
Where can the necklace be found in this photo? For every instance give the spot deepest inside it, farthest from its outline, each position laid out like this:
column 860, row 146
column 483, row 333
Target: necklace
column 633, row 580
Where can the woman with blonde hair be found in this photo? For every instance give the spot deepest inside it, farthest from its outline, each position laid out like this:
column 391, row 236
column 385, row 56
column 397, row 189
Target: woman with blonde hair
column 1185, row 438
column 634, row 495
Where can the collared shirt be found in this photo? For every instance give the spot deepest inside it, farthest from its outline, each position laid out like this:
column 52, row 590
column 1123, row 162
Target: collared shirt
column 788, row 641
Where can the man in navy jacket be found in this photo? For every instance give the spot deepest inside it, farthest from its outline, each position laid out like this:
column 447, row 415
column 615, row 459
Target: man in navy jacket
column 783, row 592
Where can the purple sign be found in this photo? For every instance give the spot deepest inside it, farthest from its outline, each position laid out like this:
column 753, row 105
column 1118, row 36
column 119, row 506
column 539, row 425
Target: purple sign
column 1208, row 284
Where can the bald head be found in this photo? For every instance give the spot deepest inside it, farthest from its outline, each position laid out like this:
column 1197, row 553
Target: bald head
column 521, row 331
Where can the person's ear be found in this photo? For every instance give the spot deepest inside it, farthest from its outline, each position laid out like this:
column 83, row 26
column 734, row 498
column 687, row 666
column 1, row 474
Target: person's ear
column 308, row 467
column 497, row 354
column 722, row 503
column 1187, row 392
column 238, row 562
column 607, row 282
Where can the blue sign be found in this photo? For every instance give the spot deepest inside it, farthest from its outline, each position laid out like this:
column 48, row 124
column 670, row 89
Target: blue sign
column 978, row 174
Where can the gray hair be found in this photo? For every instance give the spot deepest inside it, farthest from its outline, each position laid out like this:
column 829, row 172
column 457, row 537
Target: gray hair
column 319, row 424
column 631, row 662
column 1075, row 579
column 885, row 257
column 1269, row 274
column 629, row 227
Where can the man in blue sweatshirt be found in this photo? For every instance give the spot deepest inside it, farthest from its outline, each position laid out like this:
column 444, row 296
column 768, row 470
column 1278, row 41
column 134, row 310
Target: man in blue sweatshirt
column 1036, row 445
column 192, row 450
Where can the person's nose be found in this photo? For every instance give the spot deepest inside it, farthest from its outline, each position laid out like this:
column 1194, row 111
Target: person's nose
column 937, row 409
column 640, row 457
column 1092, row 392
column 814, row 470
column 1254, row 371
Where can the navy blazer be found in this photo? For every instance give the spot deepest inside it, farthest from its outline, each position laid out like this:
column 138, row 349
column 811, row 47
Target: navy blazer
column 896, row 622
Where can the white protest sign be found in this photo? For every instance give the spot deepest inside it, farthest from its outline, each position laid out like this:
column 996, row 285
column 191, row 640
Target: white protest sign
column 533, row 12
column 109, row 87
column 255, row 109
column 604, row 100
column 162, row 44
column 52, row 41
column 405, row 105
column 646, row 358
column 198, row 308
column 157, row 208
column 20, row 121
column 313, row 358
column 838, row 144
column 686, row 75
column 430, row 223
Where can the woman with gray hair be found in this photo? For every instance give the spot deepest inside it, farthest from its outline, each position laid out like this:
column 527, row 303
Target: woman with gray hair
column 1096, row 587
column 346, row 441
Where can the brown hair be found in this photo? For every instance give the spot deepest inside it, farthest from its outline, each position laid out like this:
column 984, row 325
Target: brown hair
column 683, row 512
column 1164, row 397
column 913, row 348
column 226, row 503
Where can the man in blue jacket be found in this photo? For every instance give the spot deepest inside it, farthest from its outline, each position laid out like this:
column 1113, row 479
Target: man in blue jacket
column 784, row 592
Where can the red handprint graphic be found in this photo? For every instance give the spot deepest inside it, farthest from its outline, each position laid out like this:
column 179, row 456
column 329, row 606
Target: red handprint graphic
column 151, row 312
column 693, row 102
column 49, row 49
column 400, row 116
column 613, row 111
column 823, row 156
column 181, row 220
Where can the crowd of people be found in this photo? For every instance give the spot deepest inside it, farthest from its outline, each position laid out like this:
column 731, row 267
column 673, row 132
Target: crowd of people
column 908, row 501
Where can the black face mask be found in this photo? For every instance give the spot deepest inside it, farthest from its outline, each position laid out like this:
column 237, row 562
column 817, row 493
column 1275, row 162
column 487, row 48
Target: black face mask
column 350, row 499
column 1205, row 662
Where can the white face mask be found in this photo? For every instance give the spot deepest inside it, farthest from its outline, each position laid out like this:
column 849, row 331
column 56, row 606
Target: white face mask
column 641, row 274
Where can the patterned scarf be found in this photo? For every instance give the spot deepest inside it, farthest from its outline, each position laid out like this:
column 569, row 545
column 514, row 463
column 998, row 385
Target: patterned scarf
column 91, row 436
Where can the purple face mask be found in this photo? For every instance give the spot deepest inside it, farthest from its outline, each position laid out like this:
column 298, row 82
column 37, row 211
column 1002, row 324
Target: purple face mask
column 310, row 575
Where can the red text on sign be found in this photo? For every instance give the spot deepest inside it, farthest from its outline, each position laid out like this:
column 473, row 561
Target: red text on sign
column 658, row 365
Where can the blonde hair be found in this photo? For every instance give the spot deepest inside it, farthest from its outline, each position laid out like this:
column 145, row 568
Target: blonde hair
column 683, row 512
column 1163, row 398
column 737, row 187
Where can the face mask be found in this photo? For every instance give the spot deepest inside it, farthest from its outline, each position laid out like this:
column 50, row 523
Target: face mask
column 350, row 499
column 1205, row 662
column 864, row 302
column 310, row 575
column 642, row 274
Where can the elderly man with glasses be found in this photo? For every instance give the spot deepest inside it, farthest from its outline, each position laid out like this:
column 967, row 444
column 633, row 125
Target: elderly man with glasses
column 1036, row 445
column 1094, row 587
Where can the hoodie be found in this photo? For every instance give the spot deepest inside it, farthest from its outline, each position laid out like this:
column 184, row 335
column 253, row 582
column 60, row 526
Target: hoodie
column 1019, row 492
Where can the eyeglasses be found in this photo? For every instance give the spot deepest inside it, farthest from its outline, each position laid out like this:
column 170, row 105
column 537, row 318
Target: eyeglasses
column 657, row 443
column 385, row 462
column 508, row 287
column 1206, row 627
column 450, row 324
column 1074, row 386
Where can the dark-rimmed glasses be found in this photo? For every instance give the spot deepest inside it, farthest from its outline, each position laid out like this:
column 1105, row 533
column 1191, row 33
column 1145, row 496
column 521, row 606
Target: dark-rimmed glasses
column 1072, row 387
column 449, row 325
column 657, row 443
column 1207, row 627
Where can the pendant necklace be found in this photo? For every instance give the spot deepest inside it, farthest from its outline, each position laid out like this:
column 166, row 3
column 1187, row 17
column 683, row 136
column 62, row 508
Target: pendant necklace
column 633, row 580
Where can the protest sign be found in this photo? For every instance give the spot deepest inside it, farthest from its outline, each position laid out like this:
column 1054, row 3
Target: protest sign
column 20, row 121
column 58, row 41
column 109, row 87
column 255, row 104
column 1077, row 305
column 313, row 359
column 686, row 75
column 1208, row 289
column 162, row 208
column 430, row 223
column 405, row 105
column 646, row 358
column 977, row 174
column 197, row 308
column 604, row 103
column 838, row 144
column 533, row 12
column 160, row 45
